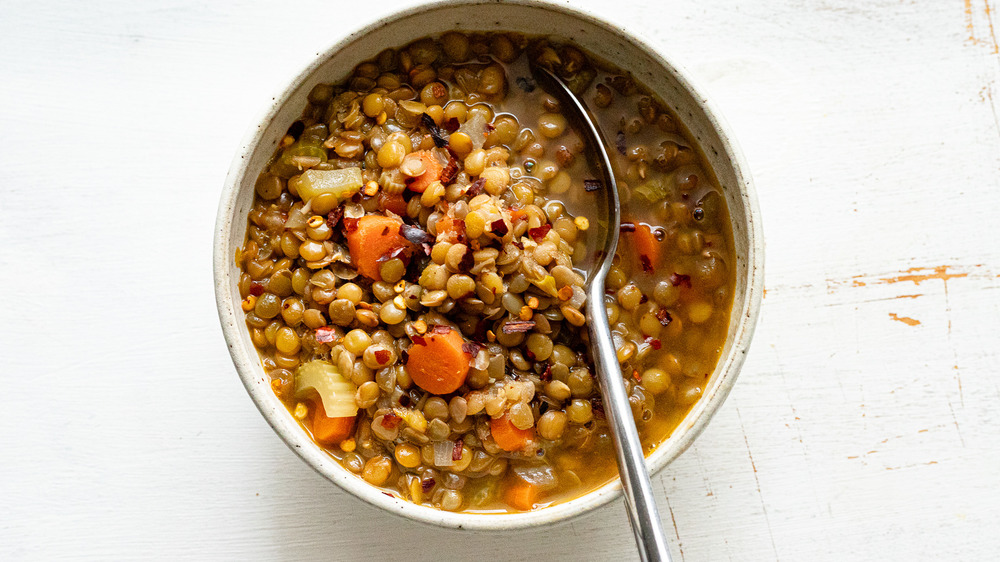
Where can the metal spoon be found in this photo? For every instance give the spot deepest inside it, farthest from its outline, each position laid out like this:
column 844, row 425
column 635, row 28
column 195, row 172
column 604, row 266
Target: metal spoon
column 639, row 498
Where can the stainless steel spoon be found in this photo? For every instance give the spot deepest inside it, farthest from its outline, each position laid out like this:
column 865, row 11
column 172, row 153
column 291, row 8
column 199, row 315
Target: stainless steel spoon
column 639, row 498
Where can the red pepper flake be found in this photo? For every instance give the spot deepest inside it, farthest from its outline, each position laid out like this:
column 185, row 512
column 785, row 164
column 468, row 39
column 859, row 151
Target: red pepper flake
column 382, row 356
column 592, row 185
column 416, row 235
column 436, row 133
column 256, row 289
column 440, row 329
column 390, row 420
column 404, row 400
column 350, row 225
column 517, row 326
column 334, row 216
column 450, row 170
column 401, row 252
column 635, row 375
column 627, row 227
column 677, row 279
column 654, row 343
column 664, row 317
column 427, row 484
column 456, row 453
column 385, row 231
column 647, row 264
column 479, row 335
column 499, row 228
column 540, row 232
column 597, row 405
column 476, row 188
column 471, row 348
column 418, row 340
column 490, row 127
column 546, row 375
column 324, row 334
column 620, row 142
column 530, row 355
column 467, row 261
column 451, row 125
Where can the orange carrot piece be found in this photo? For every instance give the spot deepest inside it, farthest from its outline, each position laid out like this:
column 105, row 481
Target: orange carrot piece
column 437, row 362
column 520, row 495
column 507, row 436
column 432, row 172
column 371, row 238
column 647, row 248
column 450, row 230
column 330, row 431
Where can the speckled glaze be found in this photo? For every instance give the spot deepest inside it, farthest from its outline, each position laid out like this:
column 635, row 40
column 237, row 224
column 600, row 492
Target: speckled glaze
column 616, row 45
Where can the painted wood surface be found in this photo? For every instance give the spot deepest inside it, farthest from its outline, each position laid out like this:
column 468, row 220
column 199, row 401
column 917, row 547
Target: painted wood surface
column 864, row 425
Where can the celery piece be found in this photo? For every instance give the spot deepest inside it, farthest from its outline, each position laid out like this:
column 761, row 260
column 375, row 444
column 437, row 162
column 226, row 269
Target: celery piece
column 653, row 190
column 335, row 391
column 342, row 183
column 285, row 166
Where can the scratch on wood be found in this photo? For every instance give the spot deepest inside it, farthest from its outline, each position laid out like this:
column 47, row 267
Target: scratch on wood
column 928, row 463
column 957, row 429
column 677, row 533
column 756, row 479
column 904, row 319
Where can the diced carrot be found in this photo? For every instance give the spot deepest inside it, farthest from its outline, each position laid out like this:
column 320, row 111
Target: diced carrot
column 517, row 213
column 520, row 495
column 330, row 431
column 432, row 172
column 507, row 436
column 371, row 238
column 394, row 203
column 437, row 362
column 647, row 248
column 450, row 229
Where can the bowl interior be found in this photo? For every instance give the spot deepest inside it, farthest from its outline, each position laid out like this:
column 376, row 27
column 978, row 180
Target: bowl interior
column 613, row 44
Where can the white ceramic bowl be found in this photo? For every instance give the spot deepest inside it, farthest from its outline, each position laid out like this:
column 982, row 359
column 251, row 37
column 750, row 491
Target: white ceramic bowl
column 615, row 45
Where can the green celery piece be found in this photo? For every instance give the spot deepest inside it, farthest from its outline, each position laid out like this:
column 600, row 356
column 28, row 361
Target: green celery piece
column 335, row 391
column 343, row 183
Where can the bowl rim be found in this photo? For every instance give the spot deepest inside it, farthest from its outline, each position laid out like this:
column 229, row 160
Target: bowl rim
column 693, row 423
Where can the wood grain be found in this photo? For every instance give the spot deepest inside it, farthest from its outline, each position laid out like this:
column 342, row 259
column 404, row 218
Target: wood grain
column 864, row 425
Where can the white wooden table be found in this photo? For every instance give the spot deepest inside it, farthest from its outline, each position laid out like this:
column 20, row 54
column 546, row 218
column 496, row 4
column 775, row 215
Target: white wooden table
column 865, row 425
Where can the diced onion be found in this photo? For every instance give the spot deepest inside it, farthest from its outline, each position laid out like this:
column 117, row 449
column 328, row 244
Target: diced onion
column 482, row 360
column 297, row 217
column 442, row 453
column 544, row 477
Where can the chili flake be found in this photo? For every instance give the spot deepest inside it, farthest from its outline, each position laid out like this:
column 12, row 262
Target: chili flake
column 324, row 334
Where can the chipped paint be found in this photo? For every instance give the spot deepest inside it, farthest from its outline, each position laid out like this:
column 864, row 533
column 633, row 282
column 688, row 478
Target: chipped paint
column 987, row 39
column 915, row 275
column 904, row 319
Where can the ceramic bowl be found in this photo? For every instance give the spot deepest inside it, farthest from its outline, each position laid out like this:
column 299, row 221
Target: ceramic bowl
column 614, row 44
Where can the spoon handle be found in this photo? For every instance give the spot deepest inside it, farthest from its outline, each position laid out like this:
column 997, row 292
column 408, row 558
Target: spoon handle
column 639, row 499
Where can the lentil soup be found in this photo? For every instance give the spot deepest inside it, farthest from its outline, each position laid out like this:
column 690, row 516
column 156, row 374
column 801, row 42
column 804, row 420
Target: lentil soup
column 413, row 272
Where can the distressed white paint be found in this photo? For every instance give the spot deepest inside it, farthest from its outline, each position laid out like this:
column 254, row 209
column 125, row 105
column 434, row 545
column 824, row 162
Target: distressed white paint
column 870, row 129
